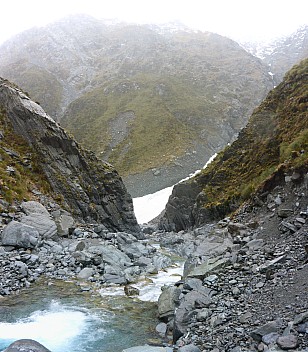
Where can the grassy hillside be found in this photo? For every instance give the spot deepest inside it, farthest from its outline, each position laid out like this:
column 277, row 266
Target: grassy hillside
column 275, row 139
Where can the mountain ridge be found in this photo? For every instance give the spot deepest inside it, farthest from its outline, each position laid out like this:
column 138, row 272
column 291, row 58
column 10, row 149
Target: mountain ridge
column 203, row 85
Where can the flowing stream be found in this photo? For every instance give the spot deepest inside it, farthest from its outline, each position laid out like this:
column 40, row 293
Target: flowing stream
column 62, row 318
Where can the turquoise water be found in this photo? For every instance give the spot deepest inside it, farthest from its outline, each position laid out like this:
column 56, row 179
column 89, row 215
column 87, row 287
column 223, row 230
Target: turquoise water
column 64, row 319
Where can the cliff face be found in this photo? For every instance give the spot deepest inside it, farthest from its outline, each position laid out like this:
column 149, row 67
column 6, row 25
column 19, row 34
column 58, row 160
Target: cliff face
column 273, row 145
column 91, row 189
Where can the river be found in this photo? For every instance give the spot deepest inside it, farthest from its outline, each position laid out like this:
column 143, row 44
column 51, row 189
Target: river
column 63, row 318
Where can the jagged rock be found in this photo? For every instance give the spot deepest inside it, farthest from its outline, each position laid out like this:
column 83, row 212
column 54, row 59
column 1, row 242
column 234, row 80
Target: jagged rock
column 285, row 213
column 203, row 314
column 206, row 268
column 271, row 264
column 19, row 235
column 268, row 328
column 187, row 309
column 300, row 318
column 64, row 221
column 166, row 302
column 26, row 345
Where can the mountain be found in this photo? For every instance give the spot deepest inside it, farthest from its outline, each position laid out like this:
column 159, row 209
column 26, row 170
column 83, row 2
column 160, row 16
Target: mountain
column 272, row 147
column 283, row 53
column 37, row 156
column 155, row 102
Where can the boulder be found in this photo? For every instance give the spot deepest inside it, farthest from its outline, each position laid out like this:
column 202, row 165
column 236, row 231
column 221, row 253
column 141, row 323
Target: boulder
column 26, row 345
column 20, row 235
column 111, row 255
column 38, row 217
column 64, row 222
column 287, row 342
column 268, row 328
column 85, row 273
column 203, row 270
column 131, row 290
column 166, row 302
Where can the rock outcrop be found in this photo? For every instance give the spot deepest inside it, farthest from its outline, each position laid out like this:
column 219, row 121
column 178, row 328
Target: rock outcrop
column 90, row 189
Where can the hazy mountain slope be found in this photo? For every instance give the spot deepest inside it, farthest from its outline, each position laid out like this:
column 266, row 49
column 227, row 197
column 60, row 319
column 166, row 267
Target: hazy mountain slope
column 156, row 104
column 273, row 144
column 37, row 153
column 283, row 53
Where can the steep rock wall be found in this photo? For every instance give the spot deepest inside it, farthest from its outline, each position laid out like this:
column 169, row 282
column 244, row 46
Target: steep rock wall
column 91, row 189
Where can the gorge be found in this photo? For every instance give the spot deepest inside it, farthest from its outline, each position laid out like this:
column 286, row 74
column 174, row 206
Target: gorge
column 230, row 243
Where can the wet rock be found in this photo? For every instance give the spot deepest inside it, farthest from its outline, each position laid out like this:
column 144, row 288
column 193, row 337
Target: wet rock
column 26, row 345
column 131, row 290
column 161, row 329
column 287, row 342
column 115, row 279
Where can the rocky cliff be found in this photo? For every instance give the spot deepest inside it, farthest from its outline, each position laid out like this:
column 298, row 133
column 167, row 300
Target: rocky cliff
column 90, row 189
column 155, row 103
column 272, row 147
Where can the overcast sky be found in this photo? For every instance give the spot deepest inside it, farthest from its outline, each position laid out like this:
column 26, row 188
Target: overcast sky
column 242, row 20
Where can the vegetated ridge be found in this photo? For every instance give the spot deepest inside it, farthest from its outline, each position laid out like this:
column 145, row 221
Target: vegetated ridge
column 274, row 143
column 156, row 103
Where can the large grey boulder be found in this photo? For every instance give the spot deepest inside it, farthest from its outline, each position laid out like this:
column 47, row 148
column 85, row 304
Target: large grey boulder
column 111, row 255
column 167, row 302
column 19, row 235
column 38, row 217
column 26, row 345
